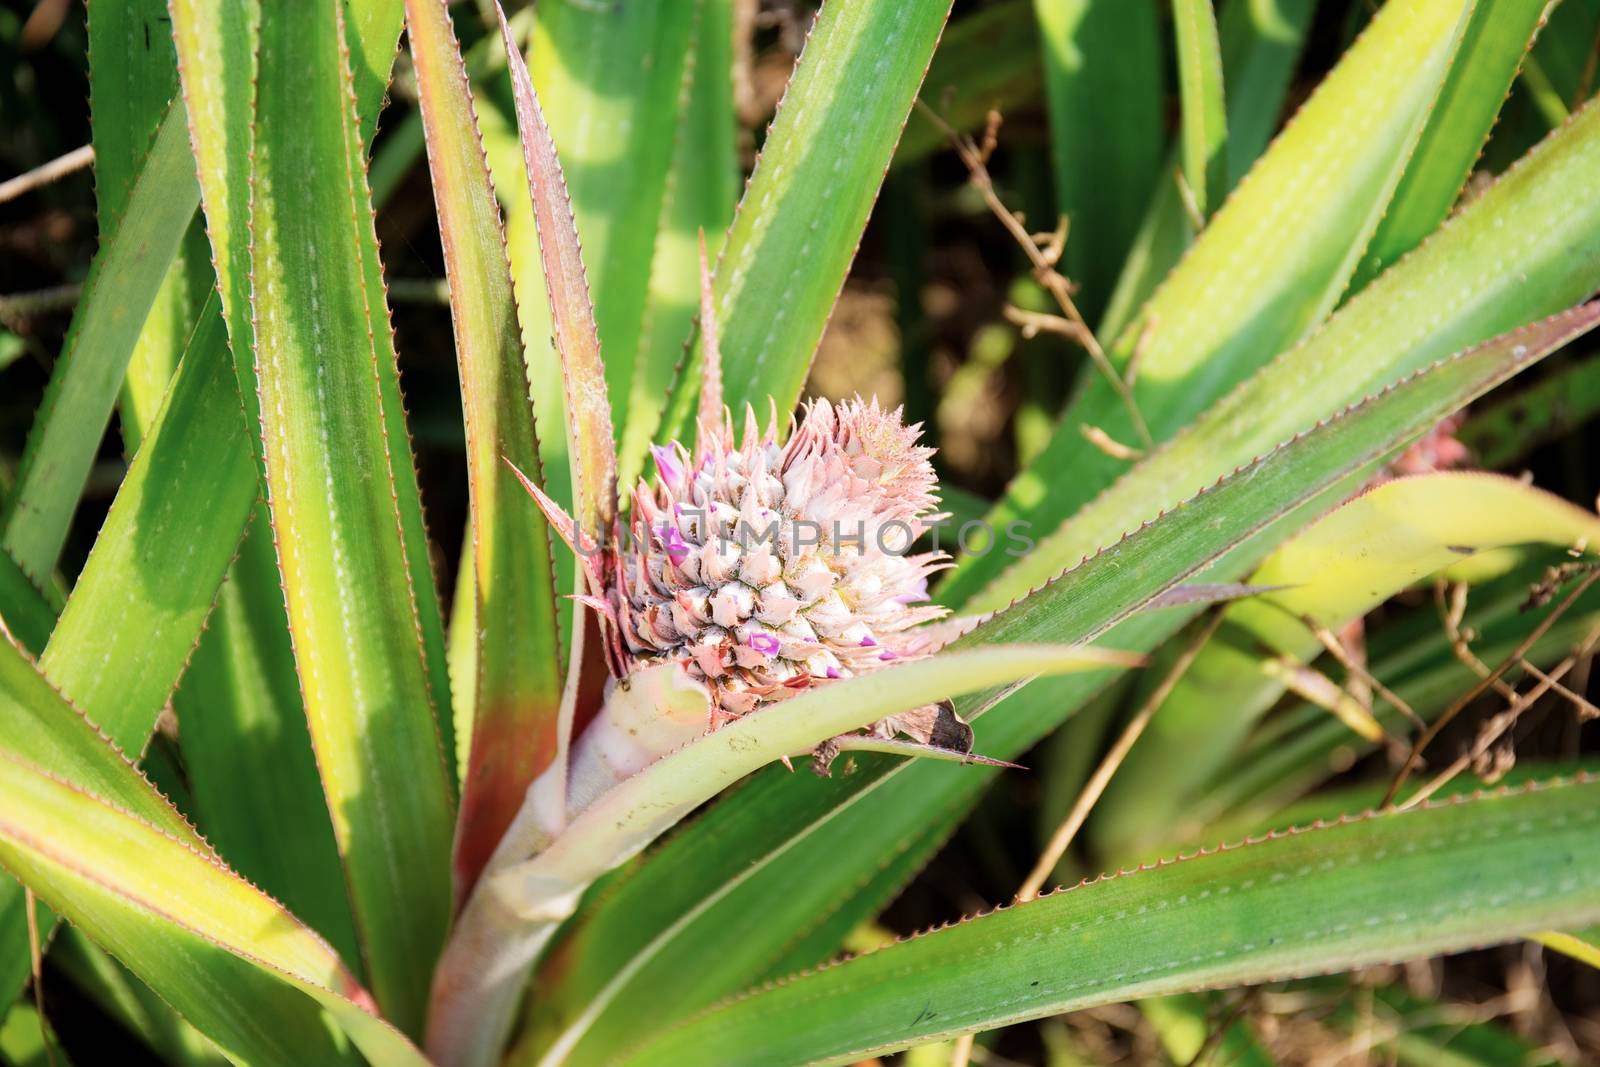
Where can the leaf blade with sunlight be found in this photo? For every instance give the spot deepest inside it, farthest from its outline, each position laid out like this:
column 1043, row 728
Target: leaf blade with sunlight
column 343, row 552
column 186, row 924
column 1488, row 869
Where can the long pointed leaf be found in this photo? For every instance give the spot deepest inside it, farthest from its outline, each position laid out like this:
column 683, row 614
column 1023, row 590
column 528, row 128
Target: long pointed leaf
column 186, row 924
column 1205, row 117
column 346, row 558
column 517, row 683
column 241, row 714
column 1460, row 288
column 42, row 727
column 1491, row 53
column 589, row 428
column 635, row 812
column 123, row 281
column 1477, row 872
column 1292, row 474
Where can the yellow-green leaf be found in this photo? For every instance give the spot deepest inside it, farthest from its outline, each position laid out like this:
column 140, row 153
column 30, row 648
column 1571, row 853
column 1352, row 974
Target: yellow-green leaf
column 517, row 671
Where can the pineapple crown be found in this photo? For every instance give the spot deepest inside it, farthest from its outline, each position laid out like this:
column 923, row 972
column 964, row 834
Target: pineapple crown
column 770, row 565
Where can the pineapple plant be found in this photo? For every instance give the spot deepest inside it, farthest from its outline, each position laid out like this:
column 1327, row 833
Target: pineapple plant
column 266, row 801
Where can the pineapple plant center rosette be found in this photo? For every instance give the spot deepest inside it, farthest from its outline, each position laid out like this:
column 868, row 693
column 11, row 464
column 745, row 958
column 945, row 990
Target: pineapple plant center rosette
column 716, row 617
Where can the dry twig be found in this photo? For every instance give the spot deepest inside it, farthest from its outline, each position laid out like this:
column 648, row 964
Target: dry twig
column 1042, row 257
column 46, row 173
column 1449, row 714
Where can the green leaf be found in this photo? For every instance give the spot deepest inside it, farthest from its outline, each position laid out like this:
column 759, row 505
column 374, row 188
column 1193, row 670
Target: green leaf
column 1080, row 604
column 185, row 924
column 131, row 1003
column 123, row 282
column 591, row 446
column 136, row 612
column 1104, row 77
column 806, row 205
column 217, row 53
column 373, row 38
column 702, row 189
column 694, row 923
column 1486, row 870
column 517, row 679
column 337, row 470
column 242, row 717
column 1243, row 294
column 1204, row 128
column 613, row 81
column 132, row 77
column 42, row 727
column 217, row 47
column 23, row 609
column 1522, row 250
column 1261, row 45
column 1333, row 571
column 247, row 750
column 1491, row 52
column 637, row 810
column 1415, row 1045
column 517, row 906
